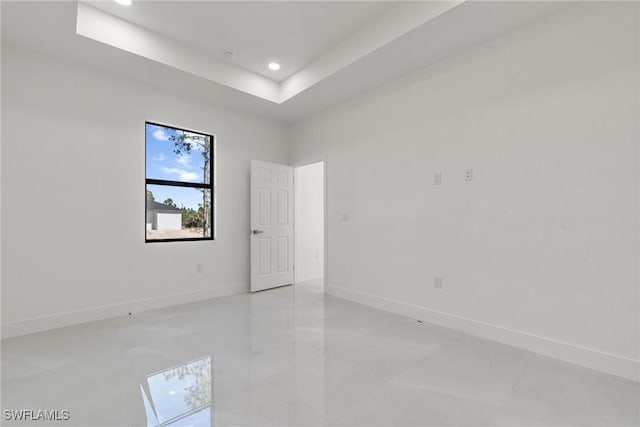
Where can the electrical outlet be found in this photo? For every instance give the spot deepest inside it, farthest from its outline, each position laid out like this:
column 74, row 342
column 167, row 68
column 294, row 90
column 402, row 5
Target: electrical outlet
column 468, row 175
column 437, row 178
column 437, row 282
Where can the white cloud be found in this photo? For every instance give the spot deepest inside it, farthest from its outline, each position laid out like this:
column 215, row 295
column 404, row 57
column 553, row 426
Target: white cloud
column 160, row 158
column 160, row 135
column 183, row 160
column 183, row 175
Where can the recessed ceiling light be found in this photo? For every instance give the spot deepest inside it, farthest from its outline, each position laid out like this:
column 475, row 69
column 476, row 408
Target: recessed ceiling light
column 274, row 66
column 124, row 2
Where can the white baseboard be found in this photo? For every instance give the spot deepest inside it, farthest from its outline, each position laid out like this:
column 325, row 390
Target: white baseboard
column 595, row 359
column 38, row 324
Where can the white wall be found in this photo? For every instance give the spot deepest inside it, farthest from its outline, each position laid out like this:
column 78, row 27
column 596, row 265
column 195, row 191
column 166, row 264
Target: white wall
column 309, row 221
column 73, row 196
column 540, row 249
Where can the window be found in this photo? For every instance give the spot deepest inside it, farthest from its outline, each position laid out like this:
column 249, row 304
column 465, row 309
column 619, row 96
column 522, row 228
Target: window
column 179, row 184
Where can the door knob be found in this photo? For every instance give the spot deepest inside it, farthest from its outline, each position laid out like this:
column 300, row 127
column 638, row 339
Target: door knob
column 257, row 231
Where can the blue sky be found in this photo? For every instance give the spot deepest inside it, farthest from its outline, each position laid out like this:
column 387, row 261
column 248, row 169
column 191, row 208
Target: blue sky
column 163, row 163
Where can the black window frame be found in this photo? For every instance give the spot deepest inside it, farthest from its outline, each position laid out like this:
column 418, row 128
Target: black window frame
column 204, row 186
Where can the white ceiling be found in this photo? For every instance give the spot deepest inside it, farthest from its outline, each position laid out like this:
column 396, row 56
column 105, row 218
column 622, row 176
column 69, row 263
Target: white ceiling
column 291, row 33
column 330, row 51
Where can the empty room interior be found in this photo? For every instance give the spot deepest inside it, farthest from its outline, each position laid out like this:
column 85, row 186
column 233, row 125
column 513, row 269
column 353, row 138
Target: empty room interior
column 320, row 213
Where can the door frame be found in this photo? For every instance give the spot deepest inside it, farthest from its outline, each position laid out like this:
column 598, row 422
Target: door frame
column 306, row 162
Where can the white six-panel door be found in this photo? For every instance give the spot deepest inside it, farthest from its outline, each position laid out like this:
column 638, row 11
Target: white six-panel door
column 271, row 225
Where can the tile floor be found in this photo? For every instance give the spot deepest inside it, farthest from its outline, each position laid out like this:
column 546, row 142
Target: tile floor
column 296, row 357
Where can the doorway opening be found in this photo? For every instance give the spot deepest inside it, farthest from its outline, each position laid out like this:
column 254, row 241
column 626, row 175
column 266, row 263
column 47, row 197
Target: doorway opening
column 309, row 224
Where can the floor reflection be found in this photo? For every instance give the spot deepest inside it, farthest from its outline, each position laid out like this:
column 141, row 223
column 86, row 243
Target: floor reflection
column 294, row 356
column 179, row 396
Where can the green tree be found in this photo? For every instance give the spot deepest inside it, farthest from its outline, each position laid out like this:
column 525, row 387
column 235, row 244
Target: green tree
column 170, row 202
column 150, row 196
column 183, row 144
column 192, row 218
